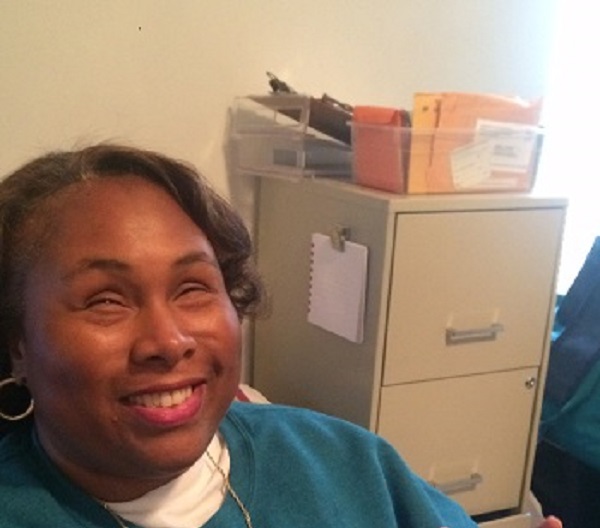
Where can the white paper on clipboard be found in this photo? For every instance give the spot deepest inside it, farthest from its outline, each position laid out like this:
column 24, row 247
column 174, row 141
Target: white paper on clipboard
column 337, row 287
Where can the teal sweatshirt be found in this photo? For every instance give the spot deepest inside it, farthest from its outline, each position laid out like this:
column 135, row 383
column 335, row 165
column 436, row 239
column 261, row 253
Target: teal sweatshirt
column 292, row 468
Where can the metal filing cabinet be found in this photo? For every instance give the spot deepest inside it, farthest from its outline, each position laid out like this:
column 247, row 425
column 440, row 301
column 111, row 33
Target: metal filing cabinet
column 459, row 303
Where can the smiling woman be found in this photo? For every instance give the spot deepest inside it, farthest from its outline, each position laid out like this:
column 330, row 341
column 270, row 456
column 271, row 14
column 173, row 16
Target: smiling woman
column 123, row 283
column 159, row 331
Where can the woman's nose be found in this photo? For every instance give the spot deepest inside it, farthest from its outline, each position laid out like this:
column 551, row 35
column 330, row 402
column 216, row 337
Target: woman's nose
column 161, row 338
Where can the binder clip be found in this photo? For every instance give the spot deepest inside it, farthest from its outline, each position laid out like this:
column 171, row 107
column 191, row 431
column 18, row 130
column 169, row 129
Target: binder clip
column 339, row 234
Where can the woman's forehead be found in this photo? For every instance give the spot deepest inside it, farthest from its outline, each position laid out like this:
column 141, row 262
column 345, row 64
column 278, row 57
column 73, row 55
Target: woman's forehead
column 111, row 196
column 121, row 213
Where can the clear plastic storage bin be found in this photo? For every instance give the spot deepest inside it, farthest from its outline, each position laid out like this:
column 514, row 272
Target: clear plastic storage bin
column 272, row 136
column 493, row 157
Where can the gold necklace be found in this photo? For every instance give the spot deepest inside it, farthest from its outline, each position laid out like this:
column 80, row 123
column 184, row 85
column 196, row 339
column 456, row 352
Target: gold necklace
column 231, row 491
column 228, row 487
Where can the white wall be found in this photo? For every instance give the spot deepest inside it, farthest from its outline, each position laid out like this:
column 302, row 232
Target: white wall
column 162, row 73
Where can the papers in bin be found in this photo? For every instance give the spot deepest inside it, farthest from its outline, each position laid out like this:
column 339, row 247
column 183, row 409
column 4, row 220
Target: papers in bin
column 498, row 149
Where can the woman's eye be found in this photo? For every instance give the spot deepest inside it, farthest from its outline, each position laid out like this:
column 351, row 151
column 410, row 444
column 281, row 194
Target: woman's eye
column 191, row 288
column 192, row 291
column 105, row 302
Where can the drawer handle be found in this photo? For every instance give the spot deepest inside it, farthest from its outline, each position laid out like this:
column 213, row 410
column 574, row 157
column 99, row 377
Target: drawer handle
column 457, row 337
column 455, row 486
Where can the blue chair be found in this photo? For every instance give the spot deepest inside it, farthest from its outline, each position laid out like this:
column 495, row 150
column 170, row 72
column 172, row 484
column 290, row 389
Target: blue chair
column 566, row 474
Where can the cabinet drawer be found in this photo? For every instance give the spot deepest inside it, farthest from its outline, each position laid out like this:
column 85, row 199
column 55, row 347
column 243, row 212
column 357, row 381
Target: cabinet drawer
column 470, row 292
column 468, row 436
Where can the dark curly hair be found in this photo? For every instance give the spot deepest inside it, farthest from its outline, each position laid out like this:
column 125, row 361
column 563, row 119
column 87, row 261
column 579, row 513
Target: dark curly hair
column 25, row 193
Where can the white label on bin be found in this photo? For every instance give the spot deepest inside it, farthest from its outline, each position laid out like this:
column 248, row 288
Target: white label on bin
column 513, row 144
column 471, row 164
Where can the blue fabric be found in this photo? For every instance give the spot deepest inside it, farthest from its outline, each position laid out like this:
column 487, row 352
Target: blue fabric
column 292, row 468
column 571, row 408
column 575, row 427
column 576, row 347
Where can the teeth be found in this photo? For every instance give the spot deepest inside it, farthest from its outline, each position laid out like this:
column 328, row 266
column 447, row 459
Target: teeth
column 162, row 399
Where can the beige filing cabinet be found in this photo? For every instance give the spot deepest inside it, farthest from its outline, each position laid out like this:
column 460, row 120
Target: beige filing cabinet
column 459, row 301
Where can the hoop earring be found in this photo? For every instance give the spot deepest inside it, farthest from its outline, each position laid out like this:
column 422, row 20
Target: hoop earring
column 16, row 417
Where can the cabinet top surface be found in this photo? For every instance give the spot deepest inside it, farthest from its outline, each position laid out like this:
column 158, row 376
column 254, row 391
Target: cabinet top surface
column 398, row 203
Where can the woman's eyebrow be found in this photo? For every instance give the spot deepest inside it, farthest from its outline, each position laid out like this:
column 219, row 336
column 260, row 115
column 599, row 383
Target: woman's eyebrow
column 115, row 265
column 91, row 264
column 202, row 257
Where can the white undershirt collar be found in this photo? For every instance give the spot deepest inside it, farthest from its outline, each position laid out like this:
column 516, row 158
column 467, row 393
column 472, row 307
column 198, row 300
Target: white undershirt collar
column 188, row 501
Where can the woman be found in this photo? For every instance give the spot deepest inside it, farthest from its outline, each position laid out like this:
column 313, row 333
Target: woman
column 123, row 282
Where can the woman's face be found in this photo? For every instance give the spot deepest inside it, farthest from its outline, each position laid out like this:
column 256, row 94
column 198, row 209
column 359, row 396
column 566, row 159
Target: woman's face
column 131, row 346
